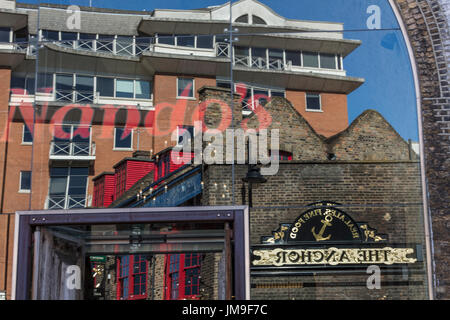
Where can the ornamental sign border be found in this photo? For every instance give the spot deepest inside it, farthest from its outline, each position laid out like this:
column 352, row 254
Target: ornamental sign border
column 325, row 236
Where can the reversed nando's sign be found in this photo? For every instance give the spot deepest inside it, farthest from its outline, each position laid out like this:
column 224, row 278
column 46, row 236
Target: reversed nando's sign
column 327, row 236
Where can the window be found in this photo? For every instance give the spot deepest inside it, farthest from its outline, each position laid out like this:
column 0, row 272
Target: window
column 22, row 84
column 259, row 57
column 294, row 57
column 205, row 42
column 275, row 93
column 123, row 138
column 183, row 276
column 241, row 56
column 310, row 59
column 68, row 187
column 327, row 61
column 105, row 87
column 166, row 39
column 64, row 87
column 4, row 34
column 185, row 134
column 124, row 45
column 186, row 41
column 123, row 283
column 185, row 88
column 50, row 35
column 27, row 137
column 242, row 19
column 313, row 102
column 124, row 88
column 68, row 36
column 339, row 62
column 143, row 90
column 25, row 181
column 258, row 20
column 45, row 83
column 276, row 59
column 85, row 89
column 139, row 273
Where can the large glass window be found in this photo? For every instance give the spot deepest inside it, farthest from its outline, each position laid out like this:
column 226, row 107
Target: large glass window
column 166, row 39
column 241, row 56
column 50, row 35
column 310, row 59
column 66, row 36
column 293, row 57
column 186, row 41
column 124, row 88
column 143, row 90
column 67, row 187
column 105, row 86
column 84, row 89
column 327, row 61
column 5, row 34
column 205, row 41
column 276, row 59
column 64, row 87
column 259, row 57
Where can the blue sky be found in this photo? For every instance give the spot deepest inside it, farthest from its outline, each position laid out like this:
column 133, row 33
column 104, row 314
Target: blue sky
column 382, row 59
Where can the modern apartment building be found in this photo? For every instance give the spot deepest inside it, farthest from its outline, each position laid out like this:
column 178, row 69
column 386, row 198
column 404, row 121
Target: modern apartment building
column 119, row 81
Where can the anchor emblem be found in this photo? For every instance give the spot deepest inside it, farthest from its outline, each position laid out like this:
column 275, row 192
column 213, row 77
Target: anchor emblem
column 325, row 223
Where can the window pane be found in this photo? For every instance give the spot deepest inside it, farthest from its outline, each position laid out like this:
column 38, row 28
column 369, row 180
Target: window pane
column 242, row 19
column 277, row 93
column 313, row 102
column 64, row 82
column 68, row 36
column 205, row 42
column 50, row 35
column 29, row 85
column 85, row 88
column 79, row 171
column 105, row 86
column 25, row 180
column 4, row 34
column 45, row 82
column 186, row 41
column 143, row 89
column 258, row 20
column 27, row 136
column 58, row 186
column 124, row 88
column 185, row 87
column 166, row 39
column 293, row 57
column 310, row 59
column 122, row 141
column 327, row 61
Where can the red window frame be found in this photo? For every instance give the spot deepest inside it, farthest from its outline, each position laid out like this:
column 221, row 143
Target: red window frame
column 128, row 274
column 183, row 271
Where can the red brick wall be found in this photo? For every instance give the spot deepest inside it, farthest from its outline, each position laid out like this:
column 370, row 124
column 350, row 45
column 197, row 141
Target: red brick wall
column 334, row 115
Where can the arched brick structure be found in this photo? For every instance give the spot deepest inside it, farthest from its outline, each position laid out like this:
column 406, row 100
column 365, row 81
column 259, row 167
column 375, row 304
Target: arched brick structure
column 427, row 25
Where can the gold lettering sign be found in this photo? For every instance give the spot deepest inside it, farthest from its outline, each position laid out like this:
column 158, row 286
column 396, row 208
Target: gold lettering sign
column 332, row 256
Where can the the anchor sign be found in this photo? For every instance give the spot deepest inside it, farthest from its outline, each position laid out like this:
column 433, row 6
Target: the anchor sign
column 325, row 223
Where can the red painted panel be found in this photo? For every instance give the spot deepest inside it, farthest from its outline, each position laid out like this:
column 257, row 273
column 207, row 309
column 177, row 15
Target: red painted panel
column 136, row 170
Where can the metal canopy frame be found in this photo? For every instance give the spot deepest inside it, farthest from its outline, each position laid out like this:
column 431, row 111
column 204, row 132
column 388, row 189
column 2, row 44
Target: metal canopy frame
column 27, row 221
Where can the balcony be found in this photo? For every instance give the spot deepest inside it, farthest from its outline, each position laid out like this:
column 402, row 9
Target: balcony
column 65, row 202
column 71, row 150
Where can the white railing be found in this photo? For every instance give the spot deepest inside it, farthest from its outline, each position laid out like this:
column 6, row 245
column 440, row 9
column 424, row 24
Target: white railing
column 72, row 149
column 222, row 49
column 65, row 202
column 74, row 96
column 241, row 60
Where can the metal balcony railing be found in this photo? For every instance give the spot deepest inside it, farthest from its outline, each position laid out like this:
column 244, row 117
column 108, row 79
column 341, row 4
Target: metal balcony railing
column 65, row 202
column 71, row 149
column 74, row 96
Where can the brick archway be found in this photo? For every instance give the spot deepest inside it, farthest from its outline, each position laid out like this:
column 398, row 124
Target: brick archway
column 427, row 25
